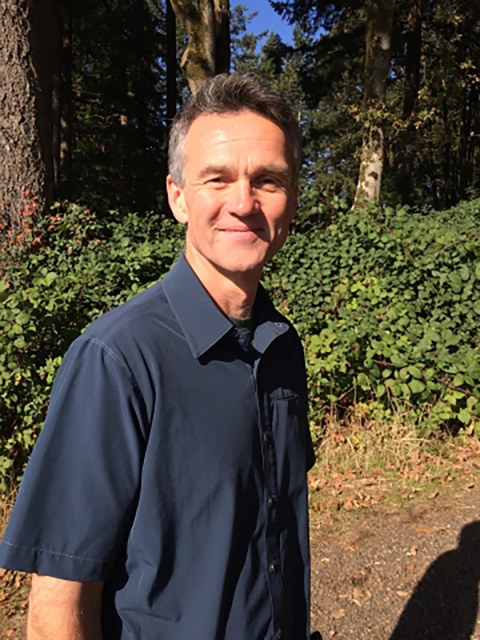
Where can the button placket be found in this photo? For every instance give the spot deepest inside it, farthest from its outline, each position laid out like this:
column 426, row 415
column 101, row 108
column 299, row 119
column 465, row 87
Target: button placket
column 274, row 572
column 272, row 501
column 272, row 537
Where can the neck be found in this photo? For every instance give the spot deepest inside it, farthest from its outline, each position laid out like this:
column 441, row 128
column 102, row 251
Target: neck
column 233, row 293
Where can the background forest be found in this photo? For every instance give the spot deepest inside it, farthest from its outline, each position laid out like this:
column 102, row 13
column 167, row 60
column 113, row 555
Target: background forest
column 381, row 273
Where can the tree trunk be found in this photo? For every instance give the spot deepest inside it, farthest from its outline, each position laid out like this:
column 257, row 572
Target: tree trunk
column 65, row 147
column 413, row 39
column 28, row 49
column 377, row 62
column 171, row 61
column 206, row 24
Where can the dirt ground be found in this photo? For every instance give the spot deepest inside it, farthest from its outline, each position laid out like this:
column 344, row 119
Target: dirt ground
column 409, row 573
column 378, row 573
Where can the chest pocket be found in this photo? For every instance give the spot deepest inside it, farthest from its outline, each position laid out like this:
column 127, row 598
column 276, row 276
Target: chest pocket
column 293, row 447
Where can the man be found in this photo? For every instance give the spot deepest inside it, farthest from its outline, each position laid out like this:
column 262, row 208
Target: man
column 166, row 497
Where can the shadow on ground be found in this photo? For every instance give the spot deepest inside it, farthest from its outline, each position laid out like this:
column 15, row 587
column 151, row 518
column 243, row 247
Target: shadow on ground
column 444, row 604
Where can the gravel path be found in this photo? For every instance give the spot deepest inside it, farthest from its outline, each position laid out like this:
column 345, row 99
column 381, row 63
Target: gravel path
column 405, row 574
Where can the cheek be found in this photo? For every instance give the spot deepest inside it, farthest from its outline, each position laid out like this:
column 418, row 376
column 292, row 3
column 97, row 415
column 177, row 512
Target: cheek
column 280, row 220
column 204, row 208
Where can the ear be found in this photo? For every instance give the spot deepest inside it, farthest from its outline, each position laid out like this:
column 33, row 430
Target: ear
column 176, row 200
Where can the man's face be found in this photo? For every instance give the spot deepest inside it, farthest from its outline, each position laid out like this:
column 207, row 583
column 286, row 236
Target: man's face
column 238, row 198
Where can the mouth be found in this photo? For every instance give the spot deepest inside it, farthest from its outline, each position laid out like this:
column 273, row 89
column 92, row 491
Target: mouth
column 240, row 231
column 241, row 235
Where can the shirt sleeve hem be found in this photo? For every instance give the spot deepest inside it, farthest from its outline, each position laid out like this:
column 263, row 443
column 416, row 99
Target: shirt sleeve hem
column 51, row 563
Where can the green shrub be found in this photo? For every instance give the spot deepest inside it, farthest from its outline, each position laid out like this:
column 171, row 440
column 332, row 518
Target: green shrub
column 59, row 276
column 388, row 305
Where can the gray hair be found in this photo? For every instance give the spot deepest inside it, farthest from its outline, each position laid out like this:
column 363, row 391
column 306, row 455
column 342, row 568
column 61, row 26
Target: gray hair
column 232, row 94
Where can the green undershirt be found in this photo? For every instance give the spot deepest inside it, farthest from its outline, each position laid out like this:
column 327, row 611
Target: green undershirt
column 245, row 327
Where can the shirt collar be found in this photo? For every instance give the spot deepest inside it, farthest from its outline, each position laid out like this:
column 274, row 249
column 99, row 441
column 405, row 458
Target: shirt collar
column 202, row 322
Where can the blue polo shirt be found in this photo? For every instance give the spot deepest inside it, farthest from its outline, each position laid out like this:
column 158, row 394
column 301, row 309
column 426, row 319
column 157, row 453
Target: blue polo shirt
column 172, row 465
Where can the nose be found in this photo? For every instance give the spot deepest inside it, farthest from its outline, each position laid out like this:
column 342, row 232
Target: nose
column 242, row 199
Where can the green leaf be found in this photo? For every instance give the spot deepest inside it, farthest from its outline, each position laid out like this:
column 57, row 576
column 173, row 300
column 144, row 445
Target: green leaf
column 416, row 386
column 458, row 380
column 397, row 360
column 471, row 402
column 50, row 278
column 20, row 343
column 363, row 382
column 380, row 390
column 415, row 372
column 22, row 318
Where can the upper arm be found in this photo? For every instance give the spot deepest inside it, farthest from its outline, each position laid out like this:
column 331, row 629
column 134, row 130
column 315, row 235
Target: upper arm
column 79, row 492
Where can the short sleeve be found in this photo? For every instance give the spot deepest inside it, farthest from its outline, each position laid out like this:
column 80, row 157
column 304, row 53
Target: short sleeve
column 79, row 492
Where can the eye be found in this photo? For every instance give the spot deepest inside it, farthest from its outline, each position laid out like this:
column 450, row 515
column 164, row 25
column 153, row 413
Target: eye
column 268, row 182
column 216, row 180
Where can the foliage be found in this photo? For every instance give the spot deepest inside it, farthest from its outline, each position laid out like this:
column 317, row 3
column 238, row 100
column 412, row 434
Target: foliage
column 432, row 114
column 388, row 302
column 67, row 270
column 243, row 43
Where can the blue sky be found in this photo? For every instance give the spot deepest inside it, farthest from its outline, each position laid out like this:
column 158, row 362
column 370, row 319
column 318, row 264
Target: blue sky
column 266, row 19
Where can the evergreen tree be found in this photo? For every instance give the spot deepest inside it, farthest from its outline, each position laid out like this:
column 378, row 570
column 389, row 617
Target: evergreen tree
column 430, row 116
column 119, row 103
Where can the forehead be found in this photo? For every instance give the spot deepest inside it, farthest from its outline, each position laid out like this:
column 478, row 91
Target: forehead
column 241, row 133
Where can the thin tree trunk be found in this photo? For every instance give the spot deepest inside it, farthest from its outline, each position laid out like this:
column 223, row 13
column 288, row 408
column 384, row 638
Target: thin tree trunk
column 206, row 24
column 141, row 183
column 222, row 35
column 28, row 46
column 413, row 38
column 171, row 60
column 377, row 62
column 65, row 90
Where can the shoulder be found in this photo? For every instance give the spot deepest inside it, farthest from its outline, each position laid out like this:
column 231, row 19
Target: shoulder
column 136, row 317
column 124, row 342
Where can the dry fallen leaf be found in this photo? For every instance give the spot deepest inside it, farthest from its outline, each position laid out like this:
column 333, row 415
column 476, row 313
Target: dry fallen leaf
column 424, row 529
column 357, row 594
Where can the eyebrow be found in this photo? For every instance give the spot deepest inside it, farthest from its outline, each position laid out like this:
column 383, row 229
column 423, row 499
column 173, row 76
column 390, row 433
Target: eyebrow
column 271, row 169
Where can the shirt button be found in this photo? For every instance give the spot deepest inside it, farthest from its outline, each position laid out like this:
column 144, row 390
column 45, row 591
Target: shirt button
column 274, row 567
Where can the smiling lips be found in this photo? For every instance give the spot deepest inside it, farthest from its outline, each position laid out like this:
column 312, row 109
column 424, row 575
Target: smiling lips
column 242, row 231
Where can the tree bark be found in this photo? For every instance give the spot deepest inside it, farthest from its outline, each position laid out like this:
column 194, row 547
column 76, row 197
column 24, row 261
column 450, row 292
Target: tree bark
column 206, row 24
column 28, row 50
column 377, row 63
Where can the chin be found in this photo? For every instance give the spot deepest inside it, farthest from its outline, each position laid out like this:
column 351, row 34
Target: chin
column 242, row 267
